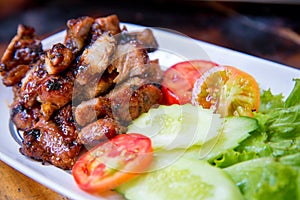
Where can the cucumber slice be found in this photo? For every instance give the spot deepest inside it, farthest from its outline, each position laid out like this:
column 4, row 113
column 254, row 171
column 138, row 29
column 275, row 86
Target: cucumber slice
column 192, row 129
column 177, row 126
column 184, row 179
column 234, row 130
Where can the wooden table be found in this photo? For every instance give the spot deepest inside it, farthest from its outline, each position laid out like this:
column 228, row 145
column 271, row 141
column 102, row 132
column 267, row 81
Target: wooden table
column 269, row 35
column 15, row 185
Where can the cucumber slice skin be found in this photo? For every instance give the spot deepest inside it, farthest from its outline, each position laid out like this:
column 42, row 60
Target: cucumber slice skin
column 184, row 179
column 234, row 131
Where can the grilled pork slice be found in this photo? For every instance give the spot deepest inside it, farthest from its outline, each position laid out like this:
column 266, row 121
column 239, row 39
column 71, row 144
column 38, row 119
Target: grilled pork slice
column 110, row 23
column 145, row 38
column 77, row 33
column 89, row 111
column 53, row 141
column 64, row 119
column 58, row 59
column 129, row 60
column 126, row 103
column 24, row 118
column 123, row 103
column 23, row 50
column 100, row 130
column 99, row 85
column 95, row 59
column 15, row 75
column 30, row 84
column 143, row 99
column 153, row 73
column 54, row 92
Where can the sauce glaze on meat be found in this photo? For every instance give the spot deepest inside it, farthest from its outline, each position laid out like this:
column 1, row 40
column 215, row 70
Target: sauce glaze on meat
column 82, row 91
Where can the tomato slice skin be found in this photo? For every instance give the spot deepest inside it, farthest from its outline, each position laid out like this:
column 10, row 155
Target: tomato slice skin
column 112, row 163
column 179, row 79
column 169, row 97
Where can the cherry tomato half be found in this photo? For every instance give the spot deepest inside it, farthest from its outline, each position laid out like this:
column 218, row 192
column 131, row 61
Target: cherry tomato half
column 112, row 163
column 179, row 79
column 228, row 90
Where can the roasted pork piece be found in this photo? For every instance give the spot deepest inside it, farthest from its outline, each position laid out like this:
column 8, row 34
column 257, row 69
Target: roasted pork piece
column 109, row 24
column 80, row 92
column 77, row 33
column 126, row 101
column 99, row 131
column 24, row 118
column 54, row 92
column 96, row 58
column 23, row 50
column 30, row 84
column 129, row 60
column 137, row 97
column 144, row 38
column 54, row 140
column 58, row 59
column 88, row 111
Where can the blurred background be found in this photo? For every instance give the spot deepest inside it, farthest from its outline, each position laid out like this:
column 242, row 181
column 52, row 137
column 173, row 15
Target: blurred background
column 268, row 29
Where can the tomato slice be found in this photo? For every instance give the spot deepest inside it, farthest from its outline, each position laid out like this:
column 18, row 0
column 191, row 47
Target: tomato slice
column 179, row 79
column 112, row 163
column 227, row 90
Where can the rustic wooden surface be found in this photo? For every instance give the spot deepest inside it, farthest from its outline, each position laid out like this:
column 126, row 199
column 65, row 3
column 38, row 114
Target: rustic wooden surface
column 16, row 186
column 270, row 32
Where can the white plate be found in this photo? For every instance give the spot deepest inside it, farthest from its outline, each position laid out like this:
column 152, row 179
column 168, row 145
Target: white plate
column 173, row 48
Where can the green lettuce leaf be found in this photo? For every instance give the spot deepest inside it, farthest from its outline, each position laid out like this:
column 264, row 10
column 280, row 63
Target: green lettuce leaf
column 291, row 160
column 294, row 98
column 266, row 178
column 253, row 147
column 268, row 101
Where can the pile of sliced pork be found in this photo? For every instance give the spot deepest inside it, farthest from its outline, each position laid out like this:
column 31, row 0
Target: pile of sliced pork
column 80, row 92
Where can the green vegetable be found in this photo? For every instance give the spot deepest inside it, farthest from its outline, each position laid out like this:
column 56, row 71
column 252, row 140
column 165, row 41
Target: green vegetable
column 294, row 98
column 269, row 102
column 191, row 131
column 183, row 179
column 253, row 147
column 234, row 131
column 176, row 126
column 291, row 160
column 187, row 126
column 265, row 178
column 261, row 155
column 278, row 133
